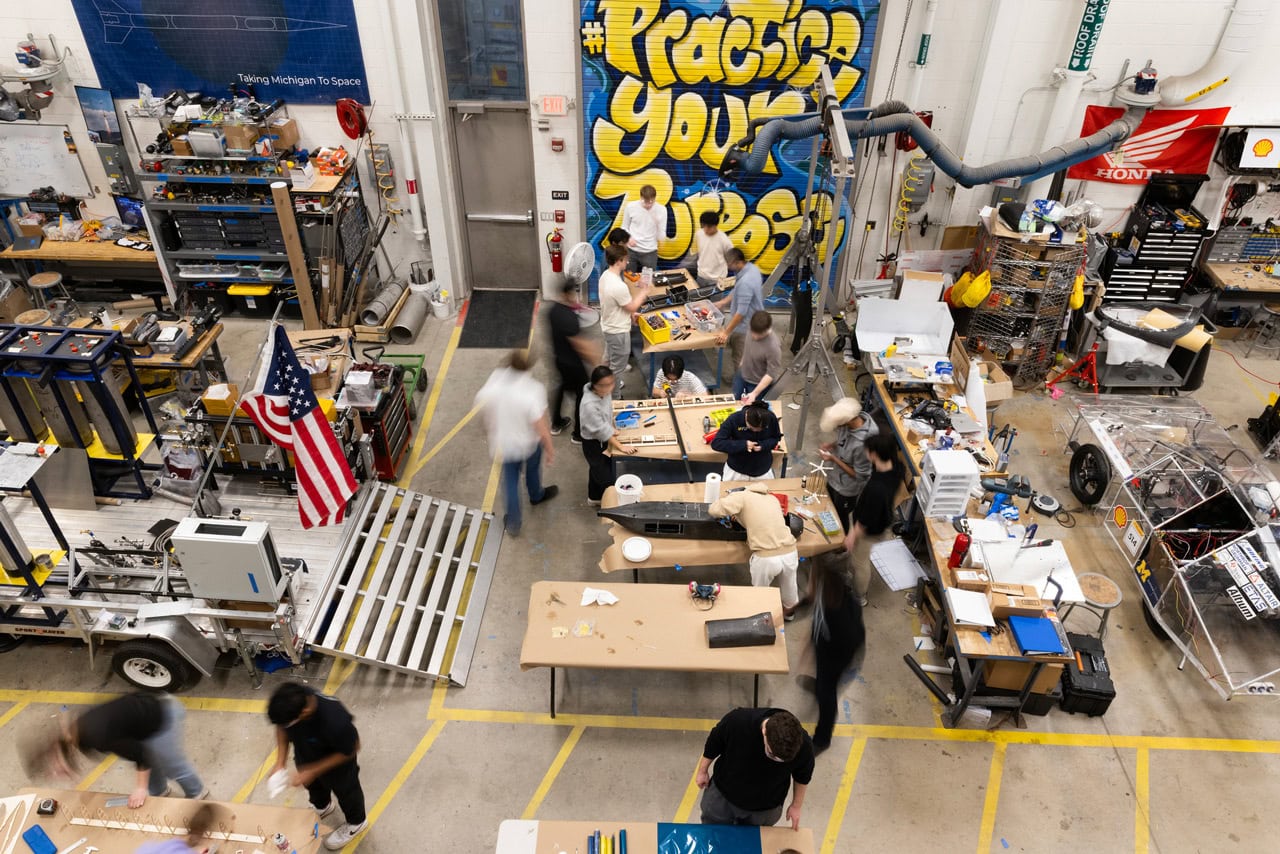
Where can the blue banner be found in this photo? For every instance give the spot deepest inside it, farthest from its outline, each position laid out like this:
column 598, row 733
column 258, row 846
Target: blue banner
column 304, row 51
column 669, row 85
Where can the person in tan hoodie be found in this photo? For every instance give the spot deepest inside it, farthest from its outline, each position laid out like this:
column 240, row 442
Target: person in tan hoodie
column 773, row 548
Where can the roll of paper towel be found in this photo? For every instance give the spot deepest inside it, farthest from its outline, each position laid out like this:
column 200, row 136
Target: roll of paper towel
column 712, row 494
column 630, row 489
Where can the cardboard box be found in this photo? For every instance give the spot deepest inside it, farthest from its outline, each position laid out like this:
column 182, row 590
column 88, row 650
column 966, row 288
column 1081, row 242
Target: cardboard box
column 221, row 399
column 286, row 133
column 31, row 229
column 972, row 579
column 240, row 137
column 921, row 284
column 1020, row 606
column 1012, row 675
column 997, row 384
column 182, row 146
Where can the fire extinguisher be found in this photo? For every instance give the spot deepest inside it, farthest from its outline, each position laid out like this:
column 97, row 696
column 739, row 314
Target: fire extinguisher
column 555, row 242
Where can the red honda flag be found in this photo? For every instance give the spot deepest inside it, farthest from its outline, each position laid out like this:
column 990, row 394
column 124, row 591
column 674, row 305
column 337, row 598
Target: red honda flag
column 1179, row 142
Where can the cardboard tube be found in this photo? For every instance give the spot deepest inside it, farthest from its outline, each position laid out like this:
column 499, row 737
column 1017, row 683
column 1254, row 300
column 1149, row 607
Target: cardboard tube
column 408, row 322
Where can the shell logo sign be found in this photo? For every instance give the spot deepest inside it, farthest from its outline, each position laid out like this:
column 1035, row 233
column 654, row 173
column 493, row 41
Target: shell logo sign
column 1263, row 147
column 669, row 85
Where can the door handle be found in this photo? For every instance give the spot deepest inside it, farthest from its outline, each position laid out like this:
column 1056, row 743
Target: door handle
column 526, row 218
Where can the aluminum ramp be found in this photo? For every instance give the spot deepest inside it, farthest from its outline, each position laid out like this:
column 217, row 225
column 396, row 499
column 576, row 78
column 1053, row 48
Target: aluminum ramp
column 408, row 589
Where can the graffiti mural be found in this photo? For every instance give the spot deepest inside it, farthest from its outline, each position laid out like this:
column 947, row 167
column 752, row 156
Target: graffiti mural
column 669, row 85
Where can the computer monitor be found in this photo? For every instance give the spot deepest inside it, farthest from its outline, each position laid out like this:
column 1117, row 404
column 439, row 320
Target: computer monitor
column 130, row 211
column 100, row 118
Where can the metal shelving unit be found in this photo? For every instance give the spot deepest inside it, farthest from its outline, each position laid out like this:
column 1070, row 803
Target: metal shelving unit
column 1021, row 320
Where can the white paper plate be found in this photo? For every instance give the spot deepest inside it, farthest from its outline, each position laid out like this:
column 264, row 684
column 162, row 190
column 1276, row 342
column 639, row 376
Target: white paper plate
column 636, row 549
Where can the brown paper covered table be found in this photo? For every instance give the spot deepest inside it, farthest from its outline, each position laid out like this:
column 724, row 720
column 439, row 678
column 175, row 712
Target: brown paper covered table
column 651, row 627
column 520, row 836
column 254, row 820
column 1240, row 277
column 669, row 551
column 81, row 252
column 655, row 425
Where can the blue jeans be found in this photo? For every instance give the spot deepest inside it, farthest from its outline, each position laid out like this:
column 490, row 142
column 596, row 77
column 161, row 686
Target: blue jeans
column 511, row 485
column 167, row 758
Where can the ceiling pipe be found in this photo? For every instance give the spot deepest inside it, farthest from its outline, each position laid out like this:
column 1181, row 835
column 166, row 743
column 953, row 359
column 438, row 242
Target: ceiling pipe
column 403, row 124
column 1244, row 28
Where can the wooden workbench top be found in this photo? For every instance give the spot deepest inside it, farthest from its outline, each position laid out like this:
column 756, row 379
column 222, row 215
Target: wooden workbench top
column 166, row 362
column 655, row 422
column 915, row 456
column 696, row 340
column 82, row 252
column 1240, row 276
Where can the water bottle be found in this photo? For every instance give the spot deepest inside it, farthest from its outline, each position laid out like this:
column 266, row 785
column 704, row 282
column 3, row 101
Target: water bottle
column 646, row 276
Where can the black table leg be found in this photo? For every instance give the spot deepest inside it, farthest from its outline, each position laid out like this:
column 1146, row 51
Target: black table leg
column 635, row 575
column 38, row 497
column 553, row 692
column 755, row 693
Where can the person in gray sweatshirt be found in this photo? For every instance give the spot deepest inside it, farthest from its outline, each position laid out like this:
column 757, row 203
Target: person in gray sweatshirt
column 850, row 467
column 595, row 419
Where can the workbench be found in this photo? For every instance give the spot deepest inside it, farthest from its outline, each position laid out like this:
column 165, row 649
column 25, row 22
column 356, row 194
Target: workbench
column 654, row 437
column 93, row 259
column 911, row 450
column 521, row 836
column 696, row 340
column 672, row 551
column 85, row 815
column 203, row 356
column 1240, row 279
column 651, row 627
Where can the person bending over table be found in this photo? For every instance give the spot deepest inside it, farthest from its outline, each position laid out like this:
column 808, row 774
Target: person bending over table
column 761, row 361
column 847, row 454
column 683, row 383
column 748, row 437
column 758, row 753
column 773, row 547
column 872, row 516
column 598, row 433
column 746, row 298
column 838, row 633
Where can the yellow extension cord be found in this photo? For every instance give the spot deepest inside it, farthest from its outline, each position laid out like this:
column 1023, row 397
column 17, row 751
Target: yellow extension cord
column 912, row 175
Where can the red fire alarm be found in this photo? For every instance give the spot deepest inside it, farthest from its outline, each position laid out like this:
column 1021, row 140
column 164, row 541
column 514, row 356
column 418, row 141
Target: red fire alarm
column 557, row 144
column 559, row 216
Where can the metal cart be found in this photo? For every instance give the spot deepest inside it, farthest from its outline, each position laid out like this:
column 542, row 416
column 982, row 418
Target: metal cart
column 1193, row 515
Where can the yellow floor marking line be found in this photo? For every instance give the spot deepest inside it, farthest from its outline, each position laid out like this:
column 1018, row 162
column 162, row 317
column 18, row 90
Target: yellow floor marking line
column 1142, row 798
column 987, row 829
column 342, row 668
column 397, row 782
column 12, row 713
column 690, row 798
column 93, row 698
column 549, row 778
column 92, row 776
column 247, row 789
column 418, row 464
column 847, row 779
column 424, row 423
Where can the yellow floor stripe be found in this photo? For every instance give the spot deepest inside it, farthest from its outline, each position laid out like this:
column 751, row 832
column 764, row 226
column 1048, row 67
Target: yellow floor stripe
column 338, row 673
column 92, row 776
column 842, row 795
column 424, row 423
column 398, row 781
column 549, row 778
column 417, row 465
column 1142, row 810
column 258, row 776
column 12, row 713
column 992, row 801
column 690, row 798
column 491, row 488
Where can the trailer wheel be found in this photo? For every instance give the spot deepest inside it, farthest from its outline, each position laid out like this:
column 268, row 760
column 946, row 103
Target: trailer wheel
column 1156, row 628
column 152, row 666
column 423, row 380
column 8, row 643
column 1089, row 474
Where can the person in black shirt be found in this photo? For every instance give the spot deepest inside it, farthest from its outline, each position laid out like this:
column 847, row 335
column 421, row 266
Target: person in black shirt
column 145, row 729
column 757, row 753
column 838, row 634
column 748, row 437
column 325, row 743
column 572, row 351
column 872, row 516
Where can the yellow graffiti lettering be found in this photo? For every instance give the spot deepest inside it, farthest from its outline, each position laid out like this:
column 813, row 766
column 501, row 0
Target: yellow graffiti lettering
column 737, row 38
column 653, row 119
column 623, row 21
column 846, row 35
column 688, row 126
column 655, row 44
column 782, row 211
column 697, row 56
column 813, row 36
column 752, row 236
column 716, row 146
column 762, row 14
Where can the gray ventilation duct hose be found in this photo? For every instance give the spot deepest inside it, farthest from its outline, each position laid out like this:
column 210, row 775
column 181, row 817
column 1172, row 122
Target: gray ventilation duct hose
column 895, row 117
column 410, row 319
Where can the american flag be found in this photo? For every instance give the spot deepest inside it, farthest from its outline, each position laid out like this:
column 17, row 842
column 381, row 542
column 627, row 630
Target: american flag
column 286, row 409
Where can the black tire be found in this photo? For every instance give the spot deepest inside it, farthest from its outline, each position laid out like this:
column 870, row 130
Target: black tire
column 1156, row 629
column 412, row 406
column 423, row 379
column 152, row 666
column 8, row 643
column 1090, row 472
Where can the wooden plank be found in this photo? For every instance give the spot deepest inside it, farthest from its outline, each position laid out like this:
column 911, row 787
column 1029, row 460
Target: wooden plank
column 297, row 257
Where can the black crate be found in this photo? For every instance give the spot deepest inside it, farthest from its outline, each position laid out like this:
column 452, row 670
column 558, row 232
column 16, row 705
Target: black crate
column 1086, row 686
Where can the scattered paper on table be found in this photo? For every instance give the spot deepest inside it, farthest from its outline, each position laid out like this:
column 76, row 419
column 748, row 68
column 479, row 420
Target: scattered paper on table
column 559, row 632
column 596, row 596
column 583, row 629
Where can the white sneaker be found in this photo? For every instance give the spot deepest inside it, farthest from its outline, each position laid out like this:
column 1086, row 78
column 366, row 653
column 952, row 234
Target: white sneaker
column 333, row 805
column 340, row 838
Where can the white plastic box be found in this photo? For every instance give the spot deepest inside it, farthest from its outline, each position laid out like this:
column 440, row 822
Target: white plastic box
column 946, row 479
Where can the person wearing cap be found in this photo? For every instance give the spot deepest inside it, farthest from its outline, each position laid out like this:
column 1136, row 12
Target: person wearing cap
column 847, row 456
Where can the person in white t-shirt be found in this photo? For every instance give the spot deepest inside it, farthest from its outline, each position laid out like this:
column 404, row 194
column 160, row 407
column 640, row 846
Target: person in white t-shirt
column 617, row 306
column 646, row 221
column 683, row 383
column 709, row 247
column 514, row 408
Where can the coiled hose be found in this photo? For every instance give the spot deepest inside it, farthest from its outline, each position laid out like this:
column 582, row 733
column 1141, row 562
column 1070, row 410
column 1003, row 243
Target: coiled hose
column 912, row 174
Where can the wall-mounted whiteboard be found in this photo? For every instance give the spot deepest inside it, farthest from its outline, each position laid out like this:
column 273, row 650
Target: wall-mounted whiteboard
column 35, row 155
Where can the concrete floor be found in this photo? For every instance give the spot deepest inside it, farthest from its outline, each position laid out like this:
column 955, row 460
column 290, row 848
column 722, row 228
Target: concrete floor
column 1170, row 768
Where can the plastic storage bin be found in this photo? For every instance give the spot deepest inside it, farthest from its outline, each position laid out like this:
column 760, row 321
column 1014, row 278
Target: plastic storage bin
column 253, row 300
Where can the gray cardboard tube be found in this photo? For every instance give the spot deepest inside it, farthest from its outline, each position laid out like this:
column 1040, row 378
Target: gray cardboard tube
column 409, row 321
column 378, row 309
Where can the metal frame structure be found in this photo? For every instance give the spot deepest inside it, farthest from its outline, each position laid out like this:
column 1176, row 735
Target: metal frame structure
column 1191, row 512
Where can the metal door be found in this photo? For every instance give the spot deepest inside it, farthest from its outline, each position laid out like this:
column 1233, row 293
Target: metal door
column 495, row 165
column 482, row 42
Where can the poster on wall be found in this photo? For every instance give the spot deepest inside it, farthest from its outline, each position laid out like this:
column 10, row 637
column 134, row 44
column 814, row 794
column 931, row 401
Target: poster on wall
column 304, row 51
column 1178, row 142
column 669, row 85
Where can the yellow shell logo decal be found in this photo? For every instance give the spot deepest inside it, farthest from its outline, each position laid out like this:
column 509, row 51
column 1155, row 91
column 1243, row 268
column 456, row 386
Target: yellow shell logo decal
column 1263, row 147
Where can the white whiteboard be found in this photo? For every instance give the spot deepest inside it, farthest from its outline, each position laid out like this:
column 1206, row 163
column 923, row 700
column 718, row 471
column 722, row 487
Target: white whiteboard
column 34, row 155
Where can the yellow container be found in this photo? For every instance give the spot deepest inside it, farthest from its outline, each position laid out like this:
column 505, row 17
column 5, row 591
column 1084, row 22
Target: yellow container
column 655, row 328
